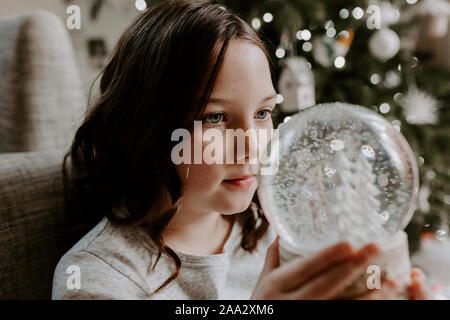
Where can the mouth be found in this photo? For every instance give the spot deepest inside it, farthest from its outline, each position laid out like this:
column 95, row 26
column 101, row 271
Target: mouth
column 241, row 182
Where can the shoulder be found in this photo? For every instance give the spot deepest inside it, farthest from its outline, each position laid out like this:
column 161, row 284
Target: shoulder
column 82, row 275
column 107, row 263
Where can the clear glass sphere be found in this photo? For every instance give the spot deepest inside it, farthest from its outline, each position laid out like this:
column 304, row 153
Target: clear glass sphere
column 338, row 172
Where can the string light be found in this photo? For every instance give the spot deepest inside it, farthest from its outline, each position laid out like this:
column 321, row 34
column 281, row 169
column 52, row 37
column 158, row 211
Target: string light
column 392, row 79
column 267, row 17
column 307, row 46
column 256, row 23
column 384, row 107
column 430, row 175
column 280, row 53
column 344, row 34
column 331, row 32
column 339, row 62
column 375, row 79
column 357, row 13
column 344, row 13
column 306, row 35
column 279, row 99
column 141, row 5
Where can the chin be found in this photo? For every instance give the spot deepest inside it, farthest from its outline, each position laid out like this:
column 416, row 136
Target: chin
column 236, row 206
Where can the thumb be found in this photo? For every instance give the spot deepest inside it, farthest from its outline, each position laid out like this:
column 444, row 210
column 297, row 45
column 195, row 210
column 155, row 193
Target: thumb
column 272, row 258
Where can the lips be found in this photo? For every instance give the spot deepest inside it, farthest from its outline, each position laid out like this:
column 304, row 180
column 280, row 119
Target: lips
column 242, row 181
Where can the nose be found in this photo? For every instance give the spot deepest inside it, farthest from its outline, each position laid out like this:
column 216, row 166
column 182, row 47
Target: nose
column 246, row 144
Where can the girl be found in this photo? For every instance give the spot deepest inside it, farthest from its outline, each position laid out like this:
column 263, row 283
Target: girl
column 185, row 231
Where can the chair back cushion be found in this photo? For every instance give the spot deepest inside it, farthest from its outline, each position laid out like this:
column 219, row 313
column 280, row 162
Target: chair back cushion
column 41, row 99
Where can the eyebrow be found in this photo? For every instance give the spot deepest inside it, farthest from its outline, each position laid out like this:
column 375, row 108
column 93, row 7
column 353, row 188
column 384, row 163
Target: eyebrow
column 225, row 101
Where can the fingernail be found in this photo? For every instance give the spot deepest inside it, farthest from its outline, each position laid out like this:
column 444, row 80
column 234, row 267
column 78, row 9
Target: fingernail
column 370, row 251
column 373, row 249
column 345, row 249
column 417, row 274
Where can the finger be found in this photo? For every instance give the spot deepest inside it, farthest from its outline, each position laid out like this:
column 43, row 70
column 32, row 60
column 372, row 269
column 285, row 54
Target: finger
column 272, row 258
column 418, row 289
column 389, row 290
column 335, row 280
column 296, row 272
column 417, row 274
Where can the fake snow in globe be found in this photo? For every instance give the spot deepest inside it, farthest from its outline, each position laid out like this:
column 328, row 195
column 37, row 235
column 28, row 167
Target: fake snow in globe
column 337, row 172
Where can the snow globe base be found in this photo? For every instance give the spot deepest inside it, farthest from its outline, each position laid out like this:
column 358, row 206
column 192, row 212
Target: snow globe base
column 394, row 263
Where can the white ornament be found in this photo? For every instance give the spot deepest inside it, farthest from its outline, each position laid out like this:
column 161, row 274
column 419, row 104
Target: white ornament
column 296, row 85
column 384, row 44
column 419, row 107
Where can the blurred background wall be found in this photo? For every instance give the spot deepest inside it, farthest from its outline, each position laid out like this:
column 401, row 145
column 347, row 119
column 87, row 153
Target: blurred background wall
column 102, row 29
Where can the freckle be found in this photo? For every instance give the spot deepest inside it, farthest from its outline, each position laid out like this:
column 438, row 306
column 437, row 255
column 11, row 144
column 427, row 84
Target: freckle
column 187, row 173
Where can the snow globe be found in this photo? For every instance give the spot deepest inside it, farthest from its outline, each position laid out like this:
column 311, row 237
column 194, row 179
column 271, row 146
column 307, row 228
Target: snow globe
column 339, row 172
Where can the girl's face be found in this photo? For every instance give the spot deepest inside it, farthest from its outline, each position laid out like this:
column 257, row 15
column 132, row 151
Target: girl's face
column 243, row 97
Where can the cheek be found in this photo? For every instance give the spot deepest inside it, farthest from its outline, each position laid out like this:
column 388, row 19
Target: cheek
column 199, row 178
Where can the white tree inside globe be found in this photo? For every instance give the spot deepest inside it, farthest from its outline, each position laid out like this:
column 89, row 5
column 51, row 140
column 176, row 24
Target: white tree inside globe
column 339, row 173
column 355, row 181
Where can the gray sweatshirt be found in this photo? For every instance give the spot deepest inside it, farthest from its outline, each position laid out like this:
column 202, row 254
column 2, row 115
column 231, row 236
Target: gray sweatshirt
column 114, row 262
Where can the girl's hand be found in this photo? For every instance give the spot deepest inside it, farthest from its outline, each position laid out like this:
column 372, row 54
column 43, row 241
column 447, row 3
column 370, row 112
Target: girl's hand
column 389, row 290
column 322, row 276
column 418, row 289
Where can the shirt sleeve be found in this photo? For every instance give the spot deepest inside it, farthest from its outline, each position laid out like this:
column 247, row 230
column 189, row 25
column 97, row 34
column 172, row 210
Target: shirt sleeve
column 84, row 276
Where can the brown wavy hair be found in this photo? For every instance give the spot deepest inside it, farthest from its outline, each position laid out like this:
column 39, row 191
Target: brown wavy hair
column 159, row 78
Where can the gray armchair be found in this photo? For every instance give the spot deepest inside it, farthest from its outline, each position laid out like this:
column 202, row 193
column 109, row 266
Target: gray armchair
column 41, row 104
column 32, row 223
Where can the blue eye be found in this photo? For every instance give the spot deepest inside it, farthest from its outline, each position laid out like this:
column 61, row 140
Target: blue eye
column 262, row 114
column 214, row 118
